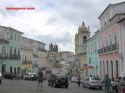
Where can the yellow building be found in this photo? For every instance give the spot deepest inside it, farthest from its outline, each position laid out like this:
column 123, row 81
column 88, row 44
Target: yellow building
column 26, row 60
column 81, row 47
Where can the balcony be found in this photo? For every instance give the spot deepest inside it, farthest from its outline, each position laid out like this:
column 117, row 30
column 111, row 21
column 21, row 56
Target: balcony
column 16, row 57
column 109, row 49
column 115, row 47
column 26, row 62
column 3, row 56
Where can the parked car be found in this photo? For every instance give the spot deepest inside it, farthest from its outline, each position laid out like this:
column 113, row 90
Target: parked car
column 58, row 80
column 30, row 76
column 8, row 75
column 0, row 77
column 91, row 82
column 74, row 79
column 25, row 76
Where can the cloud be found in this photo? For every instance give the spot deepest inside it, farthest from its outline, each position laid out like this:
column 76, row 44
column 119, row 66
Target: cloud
column 54, row 21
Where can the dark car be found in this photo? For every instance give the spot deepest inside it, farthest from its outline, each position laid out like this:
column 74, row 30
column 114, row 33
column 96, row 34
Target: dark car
column 8, row 75
column 58, row 80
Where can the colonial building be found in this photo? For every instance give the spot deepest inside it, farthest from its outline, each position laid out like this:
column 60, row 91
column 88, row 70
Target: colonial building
column 64, row 55
column 10, row 47
column 111, row 40
column 38, row 52
column 81, row 46
column 92, row 55
column 26, row 59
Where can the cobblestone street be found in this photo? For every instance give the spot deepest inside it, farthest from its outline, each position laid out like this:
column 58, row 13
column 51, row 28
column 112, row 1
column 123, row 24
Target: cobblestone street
column 22, row 86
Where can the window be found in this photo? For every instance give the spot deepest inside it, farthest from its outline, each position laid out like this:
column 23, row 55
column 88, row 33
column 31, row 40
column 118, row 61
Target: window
column 8, row 37
column 10, row 50
column 95, row 47
column 3, row 49
column 115, row 39
column 25, row 57
column 11, row 69
column 11, row 35
column 19, row 38
column 110, row 40
column 15, row 36
column 102, row 43
column 89, row 60
column 18, row 52
column 84, row 39
column 15, row 51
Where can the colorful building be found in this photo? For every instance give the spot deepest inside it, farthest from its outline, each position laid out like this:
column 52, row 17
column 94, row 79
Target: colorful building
column 10, row 49
column 26, row 59
column 111, row 40
column 36, row 50
column 92, row 55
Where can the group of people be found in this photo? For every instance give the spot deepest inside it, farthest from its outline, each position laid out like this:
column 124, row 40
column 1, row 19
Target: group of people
column 112, row 86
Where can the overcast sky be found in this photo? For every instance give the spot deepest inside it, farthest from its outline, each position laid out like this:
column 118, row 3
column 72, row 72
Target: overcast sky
column 54, row 21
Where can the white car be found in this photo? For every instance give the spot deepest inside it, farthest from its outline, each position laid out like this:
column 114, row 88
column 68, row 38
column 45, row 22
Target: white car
column 0, row 77
column 92, row 82
column 74, row 79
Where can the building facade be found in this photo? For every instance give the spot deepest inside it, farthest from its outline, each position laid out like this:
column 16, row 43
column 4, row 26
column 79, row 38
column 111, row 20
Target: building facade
column 92, row 55
column 26, row 60
column 38, row 53
column 10, row 49
column 110, row 40
column 81, row 47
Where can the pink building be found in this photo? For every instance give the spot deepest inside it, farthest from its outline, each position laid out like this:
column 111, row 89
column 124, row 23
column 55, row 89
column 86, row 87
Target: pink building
column 110, row 40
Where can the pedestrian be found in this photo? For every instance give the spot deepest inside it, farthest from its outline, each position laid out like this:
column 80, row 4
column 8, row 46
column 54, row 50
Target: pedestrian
column 113, row 83
column 119, row 84
column 40, row 78
column 79, row 81
column 107, row 82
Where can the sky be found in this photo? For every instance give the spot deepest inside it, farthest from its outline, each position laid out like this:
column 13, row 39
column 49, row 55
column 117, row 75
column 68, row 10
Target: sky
column 53, row 21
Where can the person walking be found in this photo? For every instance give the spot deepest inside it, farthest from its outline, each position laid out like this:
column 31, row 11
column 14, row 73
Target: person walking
column 40, row 78
column 113, row 83
column 79, row 81
column 107, row 82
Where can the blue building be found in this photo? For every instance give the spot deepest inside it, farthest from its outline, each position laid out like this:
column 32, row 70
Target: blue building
column 10, row 48
column 92, row 55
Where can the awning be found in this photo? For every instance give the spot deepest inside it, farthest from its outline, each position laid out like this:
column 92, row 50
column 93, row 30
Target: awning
column 88, row 67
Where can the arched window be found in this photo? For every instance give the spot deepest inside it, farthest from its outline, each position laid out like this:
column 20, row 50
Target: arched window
column 116, row 68
column 107, row 67
column 11, row 69
column 84, row 39
column 112, row 69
